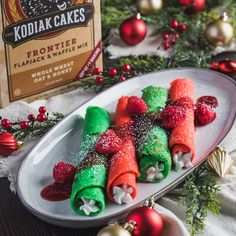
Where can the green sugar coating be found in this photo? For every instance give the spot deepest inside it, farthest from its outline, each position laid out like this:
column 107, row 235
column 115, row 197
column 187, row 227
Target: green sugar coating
column 156, row 135
column 89, row 183
column 87, row 144
column 152, row 149
column 155, row 97
column 97, row 121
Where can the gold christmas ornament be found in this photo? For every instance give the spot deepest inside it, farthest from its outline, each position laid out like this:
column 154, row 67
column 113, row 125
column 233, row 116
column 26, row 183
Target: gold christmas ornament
column 117, row 230
column 219, row 32
column 220, row 161
column 148, row 7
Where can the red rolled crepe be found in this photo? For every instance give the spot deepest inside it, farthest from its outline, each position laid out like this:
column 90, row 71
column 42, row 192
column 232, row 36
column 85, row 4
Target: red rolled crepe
column 123, row 120
column 182, row 137
column 123, row 169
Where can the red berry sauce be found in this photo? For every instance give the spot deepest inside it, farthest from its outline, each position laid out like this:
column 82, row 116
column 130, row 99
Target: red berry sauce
column 57, row 191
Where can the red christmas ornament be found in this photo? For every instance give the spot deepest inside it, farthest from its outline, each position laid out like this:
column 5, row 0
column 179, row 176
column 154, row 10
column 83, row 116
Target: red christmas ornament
column 192, row 6
column 6, row 123
column 8, row 144
column 225, row 66
column 99, row 80
column 174, row 24
column 148, row 222
column 133, row 30
column 113, row 72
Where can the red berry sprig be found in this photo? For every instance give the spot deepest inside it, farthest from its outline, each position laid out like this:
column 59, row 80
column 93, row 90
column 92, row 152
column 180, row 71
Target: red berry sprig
column 32, row 126
column 113, row 75
column 171, row 38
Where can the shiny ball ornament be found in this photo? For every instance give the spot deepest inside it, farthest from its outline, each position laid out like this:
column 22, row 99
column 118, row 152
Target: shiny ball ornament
column 219, row 32
column 225, row 66
column 192, row 6
column 149, row 7
column 133, row 30
column 148, row 222
column 113, row 230
column 8, row 144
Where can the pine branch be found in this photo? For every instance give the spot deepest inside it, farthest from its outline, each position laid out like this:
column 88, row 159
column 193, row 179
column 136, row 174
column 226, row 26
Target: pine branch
column 36, row 129
column 199, row 189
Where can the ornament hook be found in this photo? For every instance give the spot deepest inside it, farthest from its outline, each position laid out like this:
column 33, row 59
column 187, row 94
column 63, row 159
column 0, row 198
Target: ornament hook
column 225, row 17
column 149, row 202
column 130, row 226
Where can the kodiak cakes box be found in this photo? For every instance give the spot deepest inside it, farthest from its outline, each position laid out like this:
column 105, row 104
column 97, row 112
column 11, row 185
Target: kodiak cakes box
column 46, row 45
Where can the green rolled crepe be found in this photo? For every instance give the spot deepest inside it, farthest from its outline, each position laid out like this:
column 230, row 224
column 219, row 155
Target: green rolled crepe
column 97, row 121
column 155, row 158
column 88, row 189
column 154, row 155
column 155, row 97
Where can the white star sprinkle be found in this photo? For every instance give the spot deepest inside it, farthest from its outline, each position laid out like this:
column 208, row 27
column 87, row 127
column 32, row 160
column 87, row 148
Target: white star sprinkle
column 122, row 194
column 182, row 160
column 155, row 172
column 89, row 206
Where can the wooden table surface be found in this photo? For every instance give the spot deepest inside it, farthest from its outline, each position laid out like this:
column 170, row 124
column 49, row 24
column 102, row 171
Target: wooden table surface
column 16, row 220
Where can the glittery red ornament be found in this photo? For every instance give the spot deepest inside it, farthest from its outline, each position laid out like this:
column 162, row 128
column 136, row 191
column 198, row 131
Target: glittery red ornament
column 133, row 30
column 225, row 66
column 5, row 123
column 41, row 117
column 148, row 222
column 8, row 144
column 192, row 6
column 42, row 110
column 24, row 124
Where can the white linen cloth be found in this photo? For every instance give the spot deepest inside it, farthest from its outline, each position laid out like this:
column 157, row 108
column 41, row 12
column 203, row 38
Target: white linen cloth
column 223, row 224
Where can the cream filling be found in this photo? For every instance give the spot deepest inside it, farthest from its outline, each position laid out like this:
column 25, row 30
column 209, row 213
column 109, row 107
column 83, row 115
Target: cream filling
column 182, row 160
column 122, row 194
column 88, row 206
column 155, row 172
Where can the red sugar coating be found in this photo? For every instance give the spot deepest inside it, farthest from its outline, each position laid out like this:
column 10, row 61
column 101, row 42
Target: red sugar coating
column 136, row 106
column 123, row 169
column 123, row 120
column 185, row 102
column 108, row 143
column 208, row 100
column 63, row 172
column 173, row 116
column 182, row 137
column 204, row 114
column 181, row 88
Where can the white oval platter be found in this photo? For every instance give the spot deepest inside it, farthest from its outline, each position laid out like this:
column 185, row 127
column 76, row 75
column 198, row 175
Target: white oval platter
column 63, row 141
